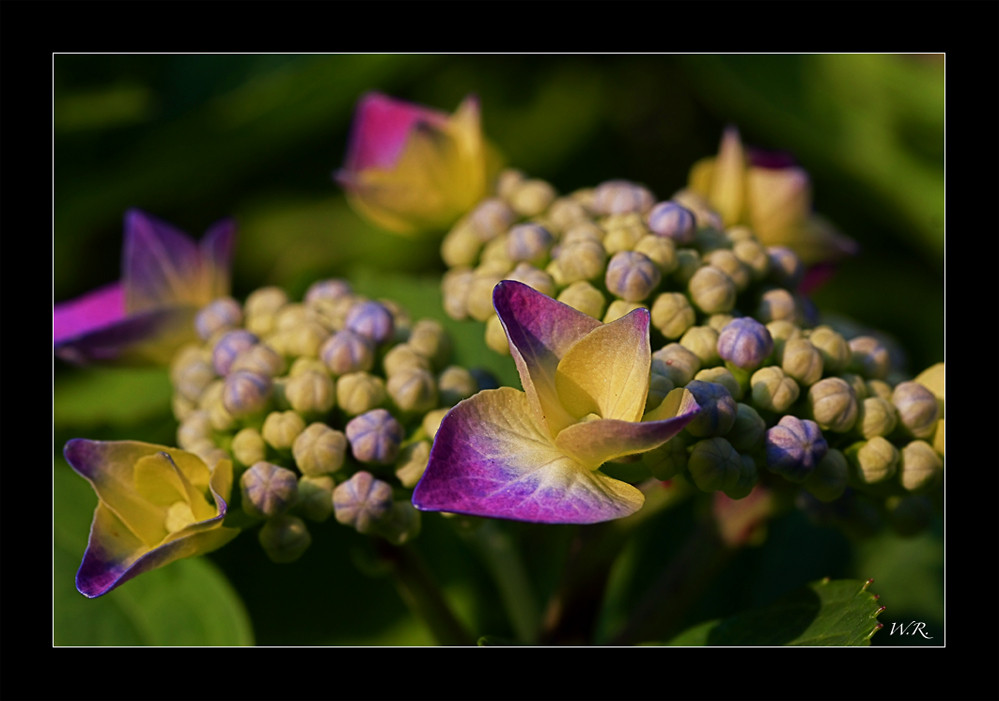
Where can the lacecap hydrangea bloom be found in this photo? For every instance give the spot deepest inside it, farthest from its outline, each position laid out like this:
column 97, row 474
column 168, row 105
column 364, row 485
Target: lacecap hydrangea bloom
column 145, row 316
column 535, row 455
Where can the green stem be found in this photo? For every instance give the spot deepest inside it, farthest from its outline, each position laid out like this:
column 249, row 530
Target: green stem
column 422, row 595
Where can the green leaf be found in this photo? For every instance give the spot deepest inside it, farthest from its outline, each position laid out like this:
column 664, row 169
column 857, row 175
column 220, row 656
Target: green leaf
column 186, row 603
column 828, row 612
column 85, row 398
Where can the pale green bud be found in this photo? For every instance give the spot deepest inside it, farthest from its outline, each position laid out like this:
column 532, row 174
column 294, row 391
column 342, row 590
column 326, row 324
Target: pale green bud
column 777, row 303
column 919, row 465
column 291, row 315
column 710, row 238
column 714, row 465
column 876, row 417
column 828, row 480
column 688, row 262
column 564, row 212
column 455, row 383
column 802, row 361
column 211, row 401
column 319, row 449
column 878, row 388
column 869, row 357
column 917, row 407
column 248, row 446
column 672, row 314
column 719, row 321
column 507, row 182
column 857, row 383
column 455, row 285
column 621, row 197
column 403, row 357
column 494, row 257
column 873, row 461
column 748, row 430
column 676, row 363
column 722, row 376
column 583, row 296
column 432, row 421
column 195, row 426
column 315, row 497
column 281, row 428
column 413, row 389
column 782, row 331
column 772, row 390
column 534, row 278
column 191, row 373
column 726, row 261
column 260, row 309
column 711, row 290
column 618, row 308
column 358, row 392
column 660, row 250
column 311, row 393
column 702, row 341
column 753, row 255
column 659, row 387
column 531, row 197
column 461, row 245
column 583, row 259
column 412, row 463
column 583, row 231
column 261, row 359
column 479, row 302
column 747, row 479
column 284, row 538
column 496, row 336
column 400, row 525
column 623, row 232
column 429, row 339
column 833, row 404
column 182, row 407
column 268, row 489
column 304, row 339
column 669, row 459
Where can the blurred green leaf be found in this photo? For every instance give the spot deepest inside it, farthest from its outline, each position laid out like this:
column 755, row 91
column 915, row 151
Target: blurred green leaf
column 86, row 398
column 828, row 612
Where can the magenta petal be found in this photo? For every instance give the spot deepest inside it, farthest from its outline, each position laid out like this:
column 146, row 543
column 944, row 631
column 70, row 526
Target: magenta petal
column 143, row 338
column 380, row 129
column 89, row 312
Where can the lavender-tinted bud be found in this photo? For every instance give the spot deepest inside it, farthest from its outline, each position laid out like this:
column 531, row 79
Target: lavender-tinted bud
column 745, row 343
column 833, row 348
column 702, row 341
column 833, row 404
column 917, row 407
column 362, row 501
column 873, row 461
column 711, row 290
column 246, row 393
column 284, row 538
column 672, row 314
column 315, row 497
column 828, row 480
column 676, row 363
column 794, row 448
column 220, row 314
column 311, row 393
column 319, row 449
column 748, row 430
column 248, row 446
column 723, row 376
column 919, row 466
column 358, row 392
column 372, row 320
column 332, row 288
column 632, row 276
column 281, row 428
column 673, row 221
column 528, row 242
column 345, row 352
column 413, row 389
column 580, row 260
column 491, row 217
column 261, row 359
column 229, row 346
column 412, row 463
column 375, row 437
column 876, row 416
column 786, row 267
column 267, row 489
column 869, row 357
column 714, row 465
column 718, row 409
column 455, row 383
column 621, row 197
column 772, row 390
column 531, row 197
column 584, row 297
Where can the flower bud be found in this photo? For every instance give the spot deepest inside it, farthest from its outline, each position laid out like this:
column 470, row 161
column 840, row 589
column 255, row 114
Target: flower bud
column 668, row 460
column 772, row 390
column 876, row 417
column 358, row 392
column 833, row 348
column 801, row 361
column 305, row 339
column 196, row 426
column 315, row 497
column 919, row 465
column 191, row 371
column 777, row 303
column 534, row 278
column 722, row 376
column 714, row 465
column 877, row 388
column 260, row 308
column 248, row 446
column 564, row 212
column 311, row 393
column 246, row 393
column 529, row 242
column 429, row 339
column 319, row 449
column 622, row 232
column 375, row 437
column 531, row 197
column 223, row 314
column 869, row 357
column 688, row 262
column 745, row 343
column 833, row 404
column 673, row 221
column 632, row 276
column 372, row 320
column 261, row 359
column 873, row 461
column 268, row 490
column 917, row 407
column 672, row 314
column 754, row 256
column 284, row 538
column 702, row 341
column 345, row 352
column 479, row 301
column 786, row 268
column 582, row 231
column 584, row 259
column 619, row 308
column 461, row 245
column 828, row 480
column 584, row 297
column 718, row 409
column 659, row 387
column 794, row 448
column 454, row 292
column 711, row 290
column 281, row 428
column 748, row 430
column 231, row 344
column 726, row 261
column 676, row 363
column 413, row 389
column 362, row 501
column 329, row 289
column 621, row 197
column 710, row 238
column 412, row 463
column 211, row 402
column 496, row 337
column 455, row 383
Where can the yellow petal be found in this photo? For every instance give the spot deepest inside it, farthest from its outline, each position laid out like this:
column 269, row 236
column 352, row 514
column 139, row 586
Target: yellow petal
column 728, row 182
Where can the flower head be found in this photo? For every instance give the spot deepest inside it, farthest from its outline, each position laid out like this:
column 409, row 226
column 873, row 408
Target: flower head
column 412, row 169
column 534, row 455
column 148, row 314
column 156, row 505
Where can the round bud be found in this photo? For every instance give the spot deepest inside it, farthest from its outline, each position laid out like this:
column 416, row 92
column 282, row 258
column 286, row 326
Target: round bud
column 618, row 308
column 432, row 421
column 362, row 501
column 531, row 197
column 772, row 390
column 669, row 459
column 491, row 217
column 375, row 437
column 565, row 212
column 315, row 497
column 714, row 465
column 748, row 430
column 878, row 388
column 304, row 339
column 584, row 297
column 794, row 448
column 461, row 245
column 582, row 231
column 876, row 417
column 688, row 262
column 702, row 341
column 528, row 242
column 745, row 343
column 534, row 278
column 833, row 404
column 828, row 480
column 496, row 336
column 676, row 363
column 622, row 232
column 455, row 383
column 718, row 409
column 284, row 538
column 632, row 276
column 222, row 314
column 722, row 376
column 620, row 197
column 195, row 426
column 833, row 348
column 801, row 361
column 261, row 359
column 260, row 307
column 429, row 339
column 319, row 449
column 281, row 428
column 917, row 407
column 479, row 301
column 660, row 250
column 372, row 320
column 413, row 389
column 672, row 314
column 919, row 465
column 726, row 261
column 659, row 387
column 874, row 460
column 330, row 289
column 412, row 463
column 248, row 446
column 345, row 352
column 454, row 292
column 754, row 256
column 777, row 303
column 711, row 290
column 267, row 489
column 786, row 268
column 246, row 393
column 869, row 357
column 191, row 371
column 231, row 344
column 673, row 221
column 358, row 392
column 584, row 259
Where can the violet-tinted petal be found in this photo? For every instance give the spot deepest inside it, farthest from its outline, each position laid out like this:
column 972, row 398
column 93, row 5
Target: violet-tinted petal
column 158, row 263
column 380, row 129
column 141, row 339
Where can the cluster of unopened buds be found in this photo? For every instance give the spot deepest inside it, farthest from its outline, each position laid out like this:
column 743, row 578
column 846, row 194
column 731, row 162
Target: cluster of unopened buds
column 821, row 405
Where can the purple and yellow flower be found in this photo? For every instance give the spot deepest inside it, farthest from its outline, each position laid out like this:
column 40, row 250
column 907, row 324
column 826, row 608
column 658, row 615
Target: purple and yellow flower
column 412, row 169
column 148, row 314
column 770, row 194
column 155, row 505
column 535, row 455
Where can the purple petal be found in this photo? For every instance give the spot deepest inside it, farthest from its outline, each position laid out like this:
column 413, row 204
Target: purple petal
column 152, row 337
column 216, row 255
column 159, row 262
column 380, row 130
column 490, row 459
column 94, row 310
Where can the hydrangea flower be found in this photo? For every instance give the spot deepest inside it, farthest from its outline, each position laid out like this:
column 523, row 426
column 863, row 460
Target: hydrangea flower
column 535, row 455
column 156, row 505
column 148, row 314
column 412, row 169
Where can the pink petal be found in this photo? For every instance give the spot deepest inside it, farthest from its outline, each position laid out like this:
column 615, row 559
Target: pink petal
column 380, row 129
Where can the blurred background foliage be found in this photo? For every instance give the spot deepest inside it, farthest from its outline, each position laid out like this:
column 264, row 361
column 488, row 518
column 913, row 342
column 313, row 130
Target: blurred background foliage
column 194, row 138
